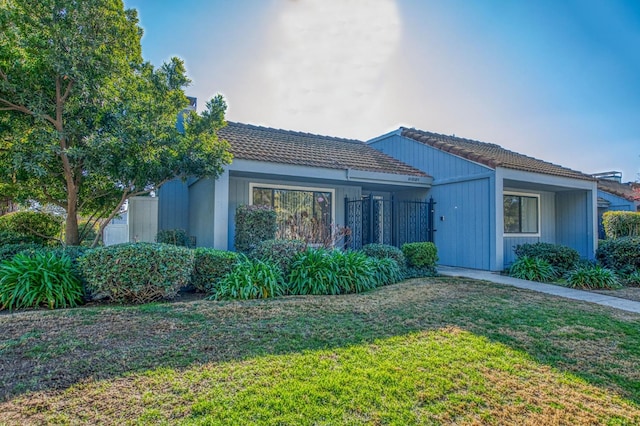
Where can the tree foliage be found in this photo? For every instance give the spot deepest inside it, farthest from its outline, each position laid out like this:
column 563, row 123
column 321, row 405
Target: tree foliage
column 85, row 123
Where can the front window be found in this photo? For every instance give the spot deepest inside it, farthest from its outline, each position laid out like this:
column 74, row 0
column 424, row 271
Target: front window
column 302, row 214
column 521, row 214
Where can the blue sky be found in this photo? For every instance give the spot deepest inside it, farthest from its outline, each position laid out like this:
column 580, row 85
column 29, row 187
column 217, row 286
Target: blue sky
column 557, row 80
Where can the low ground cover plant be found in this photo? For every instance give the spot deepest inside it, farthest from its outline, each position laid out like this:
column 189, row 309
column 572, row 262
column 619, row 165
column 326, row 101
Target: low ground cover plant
column 39, row 279
column 210, row 266
column 532, row 269
column 136, row 272
column 251, row 279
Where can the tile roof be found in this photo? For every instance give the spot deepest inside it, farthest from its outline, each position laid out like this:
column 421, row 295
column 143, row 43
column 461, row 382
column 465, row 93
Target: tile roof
column 490, row 155
column 250, row 142
column 623, row 190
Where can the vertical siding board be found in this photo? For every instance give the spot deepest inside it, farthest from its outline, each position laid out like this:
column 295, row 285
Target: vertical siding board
column 201, row 209
column 572, row 219
column 173, row 196
column 439, row 164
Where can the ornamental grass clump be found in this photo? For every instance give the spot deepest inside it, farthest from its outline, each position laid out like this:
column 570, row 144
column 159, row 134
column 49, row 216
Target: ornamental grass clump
column 592, row 277
column 386, row 271
column 532, row 269
column 136, row 272
column 321, row 271
column 39, row 279
column 251, row 279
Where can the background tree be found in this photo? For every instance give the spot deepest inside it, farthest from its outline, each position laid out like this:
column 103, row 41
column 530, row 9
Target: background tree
column 85, row 123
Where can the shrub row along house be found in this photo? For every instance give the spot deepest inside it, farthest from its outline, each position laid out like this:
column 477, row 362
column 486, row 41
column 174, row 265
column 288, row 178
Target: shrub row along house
column 475, row 200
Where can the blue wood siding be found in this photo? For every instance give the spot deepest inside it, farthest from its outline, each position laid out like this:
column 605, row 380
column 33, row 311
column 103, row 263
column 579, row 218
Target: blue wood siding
column 547, row 226
column 463, row 223
column 617, row 203
column 173, row 202
column 239, row 195
column 201, row 212
column 573, row 215
column 440, row 165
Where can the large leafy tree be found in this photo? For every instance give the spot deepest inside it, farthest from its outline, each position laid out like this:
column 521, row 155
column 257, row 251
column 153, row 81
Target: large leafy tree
column 85, row 123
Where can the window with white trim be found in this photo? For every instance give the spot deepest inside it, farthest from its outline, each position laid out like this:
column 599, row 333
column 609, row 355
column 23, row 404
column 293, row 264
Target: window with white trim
column 302, row 213
column 521, row 213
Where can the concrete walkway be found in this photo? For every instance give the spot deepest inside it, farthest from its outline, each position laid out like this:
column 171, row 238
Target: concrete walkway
column 556, row 290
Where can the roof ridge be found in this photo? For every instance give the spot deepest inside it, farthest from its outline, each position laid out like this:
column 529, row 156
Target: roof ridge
column 294, row 132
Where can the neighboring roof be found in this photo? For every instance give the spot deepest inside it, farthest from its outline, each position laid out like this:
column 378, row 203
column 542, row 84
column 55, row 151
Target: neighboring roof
column 490, row 155
column 623, row 190
column 257, row 143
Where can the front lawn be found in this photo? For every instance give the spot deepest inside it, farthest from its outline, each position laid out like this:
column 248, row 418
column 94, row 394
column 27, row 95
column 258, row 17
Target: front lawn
column 426, row 351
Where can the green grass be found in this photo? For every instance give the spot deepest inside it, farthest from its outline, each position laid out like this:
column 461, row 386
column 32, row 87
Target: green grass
column 426, row 351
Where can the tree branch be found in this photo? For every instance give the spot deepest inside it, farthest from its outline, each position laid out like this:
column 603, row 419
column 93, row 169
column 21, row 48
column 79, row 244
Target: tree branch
column 125, row 195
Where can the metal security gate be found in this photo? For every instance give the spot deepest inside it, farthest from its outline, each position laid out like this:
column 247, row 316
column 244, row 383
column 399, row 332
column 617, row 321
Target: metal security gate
column 373, row 219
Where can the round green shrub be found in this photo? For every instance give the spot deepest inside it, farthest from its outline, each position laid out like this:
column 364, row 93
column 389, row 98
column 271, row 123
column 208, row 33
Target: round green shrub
column 592, row 277
column 280, row 252
column 41, row 227
column 210, row 266
column 136, row 272
column 420, row 255
column 620, row 254
column 39, row 279
column 251, row 279
column 385, row 251
column 562, row 258
column 532, row 269
column 176, row 237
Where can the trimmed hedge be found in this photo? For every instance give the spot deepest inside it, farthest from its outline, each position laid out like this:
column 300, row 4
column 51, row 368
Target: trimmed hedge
column 621, row 224
column 620, row 254
column 11, row 237
column 210, row 266
column 40, row 227
column 280, row 252
column 136, row 272
column 562, row 258
column 8, row 251
column 254, row 224
column 420, row 255
column 385, row 251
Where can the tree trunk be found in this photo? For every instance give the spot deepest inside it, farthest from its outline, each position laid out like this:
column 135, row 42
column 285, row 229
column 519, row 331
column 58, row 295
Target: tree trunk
column 72, row 235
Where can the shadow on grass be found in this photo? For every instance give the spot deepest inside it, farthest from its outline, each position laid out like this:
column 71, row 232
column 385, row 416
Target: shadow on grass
column 52, row 350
